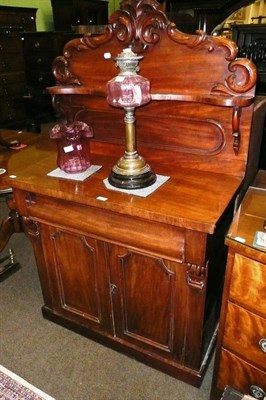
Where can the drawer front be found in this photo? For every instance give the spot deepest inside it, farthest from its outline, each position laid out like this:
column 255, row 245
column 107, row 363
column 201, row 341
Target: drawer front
column 9, row 110
column 39, row 60
column 12, row 84
column 10, row 45
column 245, row 335
column 11, row 63
column 159, row 239
column 40, row 78
column 38, row 43
column 21, row 21
column 248, row 284
column 12, row 89
column 242, row 376
column 10, row 78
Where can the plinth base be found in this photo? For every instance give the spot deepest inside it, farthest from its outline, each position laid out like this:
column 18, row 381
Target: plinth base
column 132, row 181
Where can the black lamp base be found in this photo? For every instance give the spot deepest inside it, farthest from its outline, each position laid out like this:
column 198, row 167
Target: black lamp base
column 139, row 181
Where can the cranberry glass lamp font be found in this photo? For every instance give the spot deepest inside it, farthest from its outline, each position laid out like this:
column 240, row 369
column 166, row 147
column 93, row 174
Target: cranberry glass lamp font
column 129, row 90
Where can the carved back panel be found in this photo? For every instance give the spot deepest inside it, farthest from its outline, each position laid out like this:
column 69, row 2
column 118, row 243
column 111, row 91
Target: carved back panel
column 202, row 94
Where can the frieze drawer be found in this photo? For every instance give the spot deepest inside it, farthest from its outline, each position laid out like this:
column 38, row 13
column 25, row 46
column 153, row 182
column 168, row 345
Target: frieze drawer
column 163, row 240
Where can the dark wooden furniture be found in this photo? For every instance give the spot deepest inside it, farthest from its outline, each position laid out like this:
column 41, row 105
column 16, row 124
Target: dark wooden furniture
column 18, row 18
column 39, row 50
column 68, row 13
column 144, row 275
column 12, row 70
column 240, row 356
column 9, row 159
column 190, row 15
column 251, row 41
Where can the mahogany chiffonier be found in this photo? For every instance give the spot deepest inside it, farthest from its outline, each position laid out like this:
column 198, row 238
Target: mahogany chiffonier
column 144, row 275
column 241, row 348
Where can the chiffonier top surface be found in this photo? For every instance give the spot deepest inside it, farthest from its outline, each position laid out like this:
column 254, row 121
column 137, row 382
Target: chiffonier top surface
column 188, row 199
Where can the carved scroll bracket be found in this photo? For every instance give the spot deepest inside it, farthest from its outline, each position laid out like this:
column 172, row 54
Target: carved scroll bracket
column 236, row 130
column 66, row 111
column 32, row 228
column 10, row 224
column 196, row 276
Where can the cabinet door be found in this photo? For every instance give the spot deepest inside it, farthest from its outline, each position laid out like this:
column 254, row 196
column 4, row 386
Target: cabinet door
column 148, row 302
column 78, row 278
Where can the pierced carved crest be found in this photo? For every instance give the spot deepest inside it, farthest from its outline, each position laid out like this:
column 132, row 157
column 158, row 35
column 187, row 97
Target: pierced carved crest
column 140, row 25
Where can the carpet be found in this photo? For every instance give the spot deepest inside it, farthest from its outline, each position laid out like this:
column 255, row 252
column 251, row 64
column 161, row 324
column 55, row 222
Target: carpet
column 12, row 387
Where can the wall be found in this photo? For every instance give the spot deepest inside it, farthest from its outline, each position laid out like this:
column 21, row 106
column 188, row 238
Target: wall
column 258, row 8
column 44, row 16
column 245, row 15
column 44, row 20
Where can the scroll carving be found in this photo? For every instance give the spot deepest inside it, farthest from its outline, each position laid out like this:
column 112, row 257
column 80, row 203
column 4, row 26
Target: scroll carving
column 62, row 73
column 201, row 39
column 67, row 111
column 138, row 23
column 32, row 228
column 10, row 224
column 243, row 79
column 244, row 75
column 196, row 276
column 60, row 65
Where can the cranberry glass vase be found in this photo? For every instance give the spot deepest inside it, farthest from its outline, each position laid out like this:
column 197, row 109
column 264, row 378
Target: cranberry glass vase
column 73, row 146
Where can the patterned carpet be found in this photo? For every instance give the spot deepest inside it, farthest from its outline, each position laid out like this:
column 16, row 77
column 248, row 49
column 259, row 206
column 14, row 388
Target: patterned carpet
column 12, row 387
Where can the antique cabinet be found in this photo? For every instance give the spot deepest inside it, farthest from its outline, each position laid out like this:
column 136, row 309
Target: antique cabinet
column 190, row 15
column 240, row 357
column 39, row 51
column 68, row 13
column 12, row 79
column 118, row 270
column 144, row 275
column 12, row 76
column 18, row 18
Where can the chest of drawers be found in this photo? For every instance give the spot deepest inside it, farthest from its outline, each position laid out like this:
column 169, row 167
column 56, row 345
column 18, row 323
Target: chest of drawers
column 40, row 49
column 241, row 349
column 18, row 18
column 67, row 13
column 13, row 20
column 12, row 79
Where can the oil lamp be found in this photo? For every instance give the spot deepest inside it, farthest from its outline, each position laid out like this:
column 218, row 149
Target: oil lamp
column 129, row 90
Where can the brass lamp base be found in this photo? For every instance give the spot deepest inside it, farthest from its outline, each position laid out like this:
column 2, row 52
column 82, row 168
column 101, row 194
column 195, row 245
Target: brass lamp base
column 131, row 170
column 139, row 181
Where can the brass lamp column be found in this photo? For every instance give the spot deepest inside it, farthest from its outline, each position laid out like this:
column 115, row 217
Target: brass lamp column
column 129, row 90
